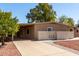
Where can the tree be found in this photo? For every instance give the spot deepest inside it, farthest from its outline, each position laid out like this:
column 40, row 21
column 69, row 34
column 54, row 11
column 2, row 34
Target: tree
column 13, row 27
column 43, row 12
column 62, row 19
column 69, row 22
column 4, row 17
column 66, row 20
column 8, row 25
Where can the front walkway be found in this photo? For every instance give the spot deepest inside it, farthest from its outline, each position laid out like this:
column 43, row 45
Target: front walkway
column 37, row 48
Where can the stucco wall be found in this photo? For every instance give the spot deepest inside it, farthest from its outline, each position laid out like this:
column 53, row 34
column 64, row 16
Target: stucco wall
column 44, row 26
column 41, row 27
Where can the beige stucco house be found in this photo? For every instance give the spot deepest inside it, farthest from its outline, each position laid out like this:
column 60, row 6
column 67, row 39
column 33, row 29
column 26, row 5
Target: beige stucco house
column 31, row 30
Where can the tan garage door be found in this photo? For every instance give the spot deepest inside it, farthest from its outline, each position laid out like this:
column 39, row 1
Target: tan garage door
column 65, row 34
column 42, row 35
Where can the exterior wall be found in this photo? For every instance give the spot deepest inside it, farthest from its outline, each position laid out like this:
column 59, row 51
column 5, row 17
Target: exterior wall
column 23, row 32
column 40, row 27
column 44, row 26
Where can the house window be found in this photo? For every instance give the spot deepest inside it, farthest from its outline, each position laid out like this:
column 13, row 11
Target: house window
column 77, row 30
column 71, row 29
column 28, row 31
column 49, row 29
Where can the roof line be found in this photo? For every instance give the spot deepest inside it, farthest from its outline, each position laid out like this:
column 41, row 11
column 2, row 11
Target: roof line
column 43, row 23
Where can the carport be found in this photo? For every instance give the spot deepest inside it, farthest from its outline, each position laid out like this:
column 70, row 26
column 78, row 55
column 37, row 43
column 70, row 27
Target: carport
column 26, row 31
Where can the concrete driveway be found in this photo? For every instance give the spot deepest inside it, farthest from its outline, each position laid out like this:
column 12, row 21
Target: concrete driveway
column 39, row 48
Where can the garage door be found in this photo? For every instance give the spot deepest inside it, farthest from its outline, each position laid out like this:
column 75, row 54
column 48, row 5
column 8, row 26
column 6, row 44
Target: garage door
column 43, row 35
column 65, row 34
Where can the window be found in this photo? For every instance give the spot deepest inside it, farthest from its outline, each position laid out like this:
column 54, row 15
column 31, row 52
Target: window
column 71, row 29
column 77, row 30
column 49, row 29
column 28, row 31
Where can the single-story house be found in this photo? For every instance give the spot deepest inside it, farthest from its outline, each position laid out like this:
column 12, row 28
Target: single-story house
column 76, row 32
column 34, row 30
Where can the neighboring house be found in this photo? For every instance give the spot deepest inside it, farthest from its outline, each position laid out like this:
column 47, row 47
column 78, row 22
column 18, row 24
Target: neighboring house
column 31, row 30
column 76, row 31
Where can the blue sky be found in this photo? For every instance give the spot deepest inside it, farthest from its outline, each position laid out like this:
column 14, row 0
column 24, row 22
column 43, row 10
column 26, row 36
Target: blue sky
column 20, row 10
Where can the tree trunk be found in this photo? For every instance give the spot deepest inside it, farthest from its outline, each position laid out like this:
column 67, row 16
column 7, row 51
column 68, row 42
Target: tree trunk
column 2, row 40
column 12, row 37
column 6, row 34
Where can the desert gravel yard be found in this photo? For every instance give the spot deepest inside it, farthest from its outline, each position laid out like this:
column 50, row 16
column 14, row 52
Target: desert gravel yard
column 73, row 44
column 9, row 49
column 39, row 48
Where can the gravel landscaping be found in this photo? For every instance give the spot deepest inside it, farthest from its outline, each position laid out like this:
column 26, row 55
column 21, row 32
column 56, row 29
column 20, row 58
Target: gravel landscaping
column 9, row 49
column 73, row 44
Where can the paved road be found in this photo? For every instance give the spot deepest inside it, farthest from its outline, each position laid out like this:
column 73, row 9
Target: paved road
column 37, row 48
